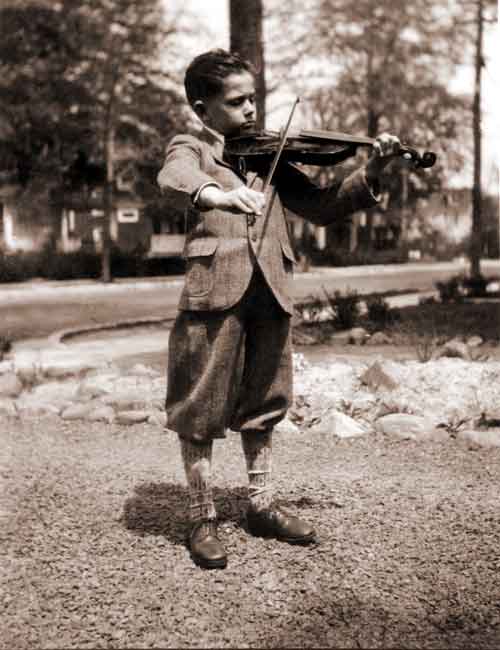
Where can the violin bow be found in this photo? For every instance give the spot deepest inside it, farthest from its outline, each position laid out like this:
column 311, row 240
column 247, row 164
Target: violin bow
column 270, row 174
column 278, row 153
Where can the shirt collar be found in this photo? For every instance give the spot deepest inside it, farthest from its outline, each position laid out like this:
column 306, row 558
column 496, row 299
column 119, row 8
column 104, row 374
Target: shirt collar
column 215, row 139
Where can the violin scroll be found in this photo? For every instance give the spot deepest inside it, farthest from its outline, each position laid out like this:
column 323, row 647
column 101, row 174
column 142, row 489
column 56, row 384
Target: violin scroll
column 422, row 161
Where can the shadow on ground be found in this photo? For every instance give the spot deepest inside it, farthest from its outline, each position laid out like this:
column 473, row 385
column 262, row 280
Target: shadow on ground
column 161, row 509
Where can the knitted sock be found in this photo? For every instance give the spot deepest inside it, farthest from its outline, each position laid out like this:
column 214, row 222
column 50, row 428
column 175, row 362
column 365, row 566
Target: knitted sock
column 197, row 461
column 257, row 448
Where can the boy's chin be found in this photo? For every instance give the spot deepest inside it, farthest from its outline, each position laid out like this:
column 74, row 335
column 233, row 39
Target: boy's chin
column 244, row 129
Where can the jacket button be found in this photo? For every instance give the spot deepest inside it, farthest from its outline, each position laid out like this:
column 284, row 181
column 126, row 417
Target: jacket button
column 250, row 219
column 254, row 236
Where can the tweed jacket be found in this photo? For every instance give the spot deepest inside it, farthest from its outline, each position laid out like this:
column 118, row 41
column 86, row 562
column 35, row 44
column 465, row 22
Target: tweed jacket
column 222, row 247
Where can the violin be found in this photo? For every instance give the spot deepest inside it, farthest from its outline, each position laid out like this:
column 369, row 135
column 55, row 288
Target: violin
column 256, row 150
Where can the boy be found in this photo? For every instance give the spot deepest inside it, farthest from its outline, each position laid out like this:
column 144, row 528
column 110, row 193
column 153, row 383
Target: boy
column 230, row 359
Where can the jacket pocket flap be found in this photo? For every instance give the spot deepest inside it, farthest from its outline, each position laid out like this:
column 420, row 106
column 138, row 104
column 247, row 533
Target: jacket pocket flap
column 201, row 247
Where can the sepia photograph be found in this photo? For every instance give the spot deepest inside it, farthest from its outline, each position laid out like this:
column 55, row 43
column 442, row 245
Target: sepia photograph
column 249, row 324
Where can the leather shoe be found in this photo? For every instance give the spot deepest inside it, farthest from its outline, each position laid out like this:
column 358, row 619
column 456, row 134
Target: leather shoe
column 274, row 522
column 206, row 548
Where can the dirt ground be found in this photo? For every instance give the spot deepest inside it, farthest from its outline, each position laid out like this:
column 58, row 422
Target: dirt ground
column 94, row 556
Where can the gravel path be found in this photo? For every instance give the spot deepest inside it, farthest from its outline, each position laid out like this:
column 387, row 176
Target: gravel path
column 93, row 552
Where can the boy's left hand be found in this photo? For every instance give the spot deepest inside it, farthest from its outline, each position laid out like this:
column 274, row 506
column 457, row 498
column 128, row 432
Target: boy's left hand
column 385, row 147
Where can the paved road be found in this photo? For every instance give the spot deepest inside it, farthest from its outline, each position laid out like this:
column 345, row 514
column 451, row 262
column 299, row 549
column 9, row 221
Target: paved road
column 37, row 309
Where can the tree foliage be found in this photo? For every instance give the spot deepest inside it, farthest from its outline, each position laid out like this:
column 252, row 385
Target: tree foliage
column 365, row 67
column 69, row 67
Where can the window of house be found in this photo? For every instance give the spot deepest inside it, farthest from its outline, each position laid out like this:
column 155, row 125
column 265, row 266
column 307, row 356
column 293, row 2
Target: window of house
column 71, row 222
column 128, row 215
column 126, row 181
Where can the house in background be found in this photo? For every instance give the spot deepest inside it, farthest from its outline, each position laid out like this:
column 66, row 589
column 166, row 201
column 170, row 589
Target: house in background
column 433, row 226
column 80, row 205
column 448, row 213
column 69, row 216
column 141, row 222
column 26, row 217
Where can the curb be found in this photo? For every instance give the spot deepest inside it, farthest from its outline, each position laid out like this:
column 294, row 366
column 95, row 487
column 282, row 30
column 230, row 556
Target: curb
column 60, row 336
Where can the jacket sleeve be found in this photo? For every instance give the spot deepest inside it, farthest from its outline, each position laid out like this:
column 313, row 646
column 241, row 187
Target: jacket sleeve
column 323, row 206
column 181, row 176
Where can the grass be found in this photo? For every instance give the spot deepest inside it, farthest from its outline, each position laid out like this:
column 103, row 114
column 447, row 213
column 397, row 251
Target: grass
column 413, row 331
column 449, row 320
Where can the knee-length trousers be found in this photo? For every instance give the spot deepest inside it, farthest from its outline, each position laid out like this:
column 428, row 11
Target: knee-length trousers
column 230, row 369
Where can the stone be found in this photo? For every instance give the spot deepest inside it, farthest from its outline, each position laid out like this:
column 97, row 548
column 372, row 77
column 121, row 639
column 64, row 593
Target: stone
column 10, row 385
column 35, row 408
column 95, row 386
column 363, row 403
column 287, row 426
column 408, row 427
column 358, row 336
column 376, row 377
column 7, row 407
column 338, row 424
column 55, row 391
column 395, row 403
column 477, row 438
column 78, row 411
column 6, row 366
column 126, row 401
column 454, row 348
column 65, row 368
column 474, row 341
column 142, row 370
column 158, row 403
column 27, row 371
column 158, row 419
column 132, row 417
column 302, row 338
column 379, row 338
column 101, row 414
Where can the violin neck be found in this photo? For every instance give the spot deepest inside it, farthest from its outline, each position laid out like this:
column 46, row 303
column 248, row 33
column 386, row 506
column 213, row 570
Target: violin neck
column 337, row 136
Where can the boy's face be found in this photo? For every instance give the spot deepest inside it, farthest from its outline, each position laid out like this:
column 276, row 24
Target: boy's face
column 232, row 111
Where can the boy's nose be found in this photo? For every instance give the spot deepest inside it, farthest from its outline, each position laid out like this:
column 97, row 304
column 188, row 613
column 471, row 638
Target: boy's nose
column 249, row 109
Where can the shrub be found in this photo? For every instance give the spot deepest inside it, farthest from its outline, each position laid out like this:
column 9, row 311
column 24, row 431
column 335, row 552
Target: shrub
column 450, row 290
column 345, row 308
column 19, row 267
column 476, row 286
column 359, row 257
column 420, row 334
column 69, row 266
column 379, row 311
column 310, row 309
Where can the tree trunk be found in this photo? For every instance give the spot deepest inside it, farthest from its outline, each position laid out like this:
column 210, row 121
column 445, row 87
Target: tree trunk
column 372, row 126
column 108, row 204
column 476, row 235
column 246, row 40
column 109, row 158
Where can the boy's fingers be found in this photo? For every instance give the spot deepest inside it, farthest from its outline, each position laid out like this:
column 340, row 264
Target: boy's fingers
column 244, row 205
column 252, row 201
column 386, row 145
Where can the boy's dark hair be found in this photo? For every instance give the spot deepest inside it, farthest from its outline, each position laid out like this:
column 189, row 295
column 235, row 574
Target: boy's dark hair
column 206, row 73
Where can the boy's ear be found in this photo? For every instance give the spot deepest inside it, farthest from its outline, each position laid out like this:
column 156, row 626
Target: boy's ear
column 199, row 108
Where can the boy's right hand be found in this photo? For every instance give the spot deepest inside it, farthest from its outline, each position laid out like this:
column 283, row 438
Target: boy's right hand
column 241, row 199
